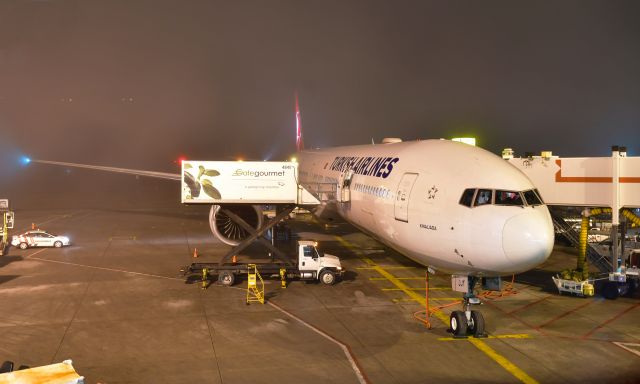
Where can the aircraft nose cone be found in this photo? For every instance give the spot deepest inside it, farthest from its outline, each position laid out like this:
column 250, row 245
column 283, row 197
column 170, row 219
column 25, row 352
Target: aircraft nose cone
column 527, row 239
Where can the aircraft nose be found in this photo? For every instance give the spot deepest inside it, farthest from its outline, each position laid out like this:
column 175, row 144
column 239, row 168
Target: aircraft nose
column 527, row 239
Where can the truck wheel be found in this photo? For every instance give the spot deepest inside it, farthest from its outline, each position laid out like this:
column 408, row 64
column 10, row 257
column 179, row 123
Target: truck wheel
column 23, row 245
column 226, row 278
column 328, row 277
column 57, row 244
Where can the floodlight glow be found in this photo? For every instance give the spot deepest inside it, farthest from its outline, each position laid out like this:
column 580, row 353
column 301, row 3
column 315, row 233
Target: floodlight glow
column 466, row 140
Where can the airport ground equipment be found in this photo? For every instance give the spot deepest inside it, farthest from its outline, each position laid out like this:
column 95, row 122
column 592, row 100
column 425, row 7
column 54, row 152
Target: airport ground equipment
column 60, row 373
column 6, row 224
column 579, row 288
column 39, row 238
column 310, row 265
column 255, row 285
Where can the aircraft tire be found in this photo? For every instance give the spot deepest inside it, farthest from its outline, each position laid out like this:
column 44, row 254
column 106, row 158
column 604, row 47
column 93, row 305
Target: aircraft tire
column 458, row 323
column 476, row 328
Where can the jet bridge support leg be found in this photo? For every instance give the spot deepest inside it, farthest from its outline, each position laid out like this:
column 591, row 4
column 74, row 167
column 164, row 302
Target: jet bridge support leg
column 256, row 235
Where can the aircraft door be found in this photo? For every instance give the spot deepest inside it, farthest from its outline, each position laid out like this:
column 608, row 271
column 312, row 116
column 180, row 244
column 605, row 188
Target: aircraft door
column 344, row 186
column 401, row 206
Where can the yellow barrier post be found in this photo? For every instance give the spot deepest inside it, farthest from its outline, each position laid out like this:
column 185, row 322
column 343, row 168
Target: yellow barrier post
column 205, row 278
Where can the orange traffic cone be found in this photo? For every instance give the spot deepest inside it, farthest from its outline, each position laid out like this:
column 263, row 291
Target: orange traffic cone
column 195, row 252
column 33, row 225
column 234, row 259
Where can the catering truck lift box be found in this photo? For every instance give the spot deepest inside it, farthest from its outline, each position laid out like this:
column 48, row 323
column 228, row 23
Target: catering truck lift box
column 248, row 182
column 311, row 265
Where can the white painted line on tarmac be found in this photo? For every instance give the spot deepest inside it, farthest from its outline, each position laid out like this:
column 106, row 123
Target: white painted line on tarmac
column 347, row 351
column 627, row 346
column 104, row 268
column 36, row 252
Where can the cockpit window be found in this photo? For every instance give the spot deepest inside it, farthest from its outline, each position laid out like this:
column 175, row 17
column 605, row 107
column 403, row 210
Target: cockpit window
column 508, row 198
column 483, row 197
column 539, row 196
column 467, row 197
column 531, row 197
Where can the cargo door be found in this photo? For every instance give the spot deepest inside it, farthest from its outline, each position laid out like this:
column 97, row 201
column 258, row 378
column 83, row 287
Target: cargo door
column 401, row 207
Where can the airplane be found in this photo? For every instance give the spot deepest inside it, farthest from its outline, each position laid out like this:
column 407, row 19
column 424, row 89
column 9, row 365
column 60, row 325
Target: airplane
column 447, row 205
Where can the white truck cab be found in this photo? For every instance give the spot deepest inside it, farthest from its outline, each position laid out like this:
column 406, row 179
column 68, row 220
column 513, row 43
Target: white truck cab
column 314, row 264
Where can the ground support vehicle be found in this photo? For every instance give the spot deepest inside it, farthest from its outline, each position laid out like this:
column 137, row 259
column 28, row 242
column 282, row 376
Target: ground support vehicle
column 311, row 265
column 38, row 238
column 578, row 288
column 622, row 282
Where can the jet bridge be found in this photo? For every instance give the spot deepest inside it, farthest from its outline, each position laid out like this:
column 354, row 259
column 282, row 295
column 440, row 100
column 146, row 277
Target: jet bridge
column 612, row 182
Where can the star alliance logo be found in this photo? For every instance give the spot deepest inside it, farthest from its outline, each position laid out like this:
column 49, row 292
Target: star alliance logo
column 431, row 193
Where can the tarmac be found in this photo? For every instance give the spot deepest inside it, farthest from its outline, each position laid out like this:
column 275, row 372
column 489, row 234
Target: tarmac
column 115, row 304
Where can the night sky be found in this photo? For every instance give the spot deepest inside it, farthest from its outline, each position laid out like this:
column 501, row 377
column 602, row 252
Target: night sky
column 139, row 83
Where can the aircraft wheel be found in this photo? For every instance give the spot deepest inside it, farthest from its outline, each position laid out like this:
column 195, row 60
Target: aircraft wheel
column 458, row 323
column 328, row 277
column 226, row 278
column 23, row 246
column 57, row 244
column 476, row 328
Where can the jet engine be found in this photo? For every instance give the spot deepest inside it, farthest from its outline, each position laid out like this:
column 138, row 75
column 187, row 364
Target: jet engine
column 227, row 230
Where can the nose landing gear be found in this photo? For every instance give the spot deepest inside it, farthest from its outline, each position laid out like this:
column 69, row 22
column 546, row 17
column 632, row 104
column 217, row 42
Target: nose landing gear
column 468, row 322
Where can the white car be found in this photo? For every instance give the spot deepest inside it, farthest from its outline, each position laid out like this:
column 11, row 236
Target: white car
column 38, row 238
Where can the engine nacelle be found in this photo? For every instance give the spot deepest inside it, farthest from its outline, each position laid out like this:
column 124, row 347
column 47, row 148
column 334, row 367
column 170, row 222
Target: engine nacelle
column 227, row 230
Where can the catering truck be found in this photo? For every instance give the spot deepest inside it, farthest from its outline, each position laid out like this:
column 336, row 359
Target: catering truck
column 311, row 265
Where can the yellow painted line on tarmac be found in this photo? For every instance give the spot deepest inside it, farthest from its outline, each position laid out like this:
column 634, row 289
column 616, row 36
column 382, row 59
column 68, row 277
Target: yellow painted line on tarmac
column 503, row 361
column 416, row 289
column 385, row 267
column 400, row 278
column 478, row 343
column 513, row 336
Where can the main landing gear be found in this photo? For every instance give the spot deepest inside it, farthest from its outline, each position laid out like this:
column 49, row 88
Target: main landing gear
column 468, row 322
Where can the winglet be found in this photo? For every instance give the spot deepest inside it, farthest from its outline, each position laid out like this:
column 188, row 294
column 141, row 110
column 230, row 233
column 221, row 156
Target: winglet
column 299, row 141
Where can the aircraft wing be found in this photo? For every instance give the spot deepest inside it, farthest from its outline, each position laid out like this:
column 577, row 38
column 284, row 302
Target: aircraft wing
column 137, row 172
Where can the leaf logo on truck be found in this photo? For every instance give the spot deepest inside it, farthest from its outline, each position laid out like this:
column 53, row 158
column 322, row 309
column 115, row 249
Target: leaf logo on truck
column 200, row 183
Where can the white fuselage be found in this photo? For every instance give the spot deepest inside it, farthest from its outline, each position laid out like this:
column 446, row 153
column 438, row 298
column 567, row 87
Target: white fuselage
column 408, row 196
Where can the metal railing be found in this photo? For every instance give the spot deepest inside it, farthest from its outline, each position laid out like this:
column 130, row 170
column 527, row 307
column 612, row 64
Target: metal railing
column 595, row 258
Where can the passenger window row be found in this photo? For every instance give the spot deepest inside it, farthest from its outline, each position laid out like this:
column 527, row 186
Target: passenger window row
column 371, row 190
column 475, row 197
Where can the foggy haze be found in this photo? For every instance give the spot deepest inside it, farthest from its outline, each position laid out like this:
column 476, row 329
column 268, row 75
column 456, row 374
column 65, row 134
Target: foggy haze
column 138, row 83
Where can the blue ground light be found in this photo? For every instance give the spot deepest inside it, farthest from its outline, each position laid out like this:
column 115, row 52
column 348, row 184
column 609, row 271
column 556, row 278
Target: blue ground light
column 24, row 160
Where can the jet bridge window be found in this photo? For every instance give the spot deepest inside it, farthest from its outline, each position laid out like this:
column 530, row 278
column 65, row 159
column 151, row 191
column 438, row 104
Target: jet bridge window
column 509, row 198
column 531, row 197
column 483, row 197
column 467, row 197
